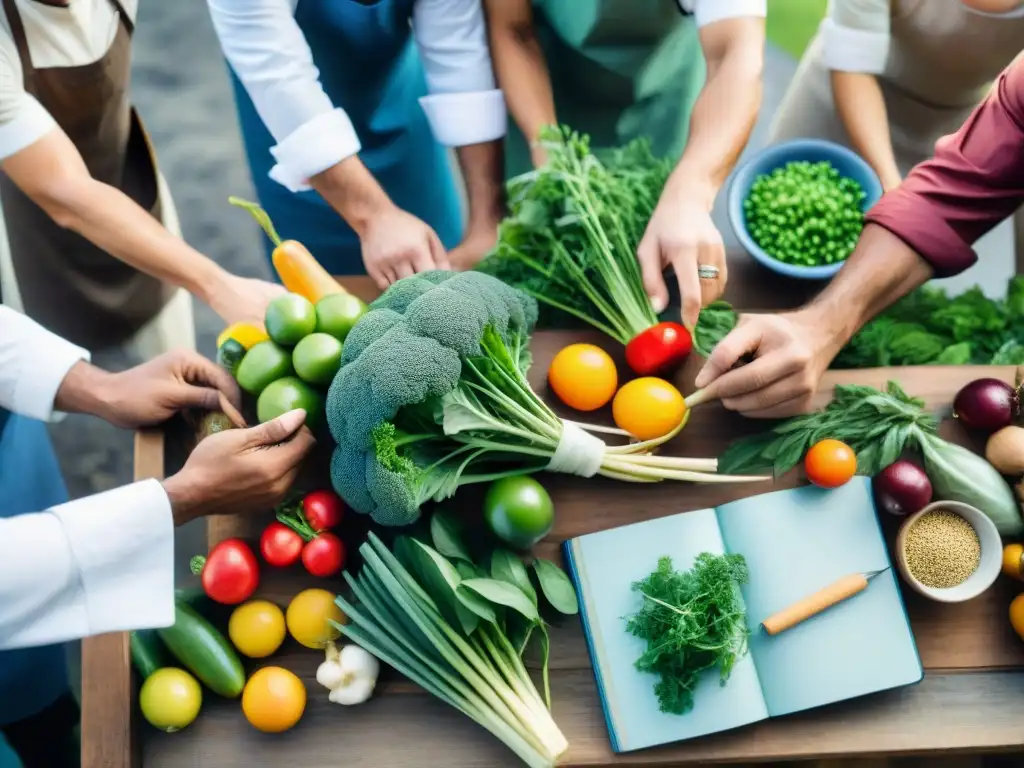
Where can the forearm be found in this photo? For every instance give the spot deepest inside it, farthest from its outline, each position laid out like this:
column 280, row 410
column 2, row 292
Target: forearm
column 881, row 270
column 861, row 107
column 723, row 117
column 522, row 73
column 351, row 190
column 483, row 174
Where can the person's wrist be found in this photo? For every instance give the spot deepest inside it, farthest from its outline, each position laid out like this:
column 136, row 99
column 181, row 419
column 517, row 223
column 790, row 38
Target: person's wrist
column 826, row 330
column 690, row 188
column 87, row 389
column 349, row 187
column 184, row 504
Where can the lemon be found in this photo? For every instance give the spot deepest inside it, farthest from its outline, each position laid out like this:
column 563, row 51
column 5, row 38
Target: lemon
column 245, row 334
column 308, row 617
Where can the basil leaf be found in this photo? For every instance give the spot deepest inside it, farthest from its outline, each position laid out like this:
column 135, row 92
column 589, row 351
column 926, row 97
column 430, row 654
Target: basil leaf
column 501, row 593
column 446, row 533
column 557, row 588
column 506, row 566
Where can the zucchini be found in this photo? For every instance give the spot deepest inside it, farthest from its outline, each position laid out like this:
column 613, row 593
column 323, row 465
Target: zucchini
column 148, row 652
column 204, row 651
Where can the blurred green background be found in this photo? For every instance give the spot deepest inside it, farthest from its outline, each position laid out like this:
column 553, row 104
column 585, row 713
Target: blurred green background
column 792, row 23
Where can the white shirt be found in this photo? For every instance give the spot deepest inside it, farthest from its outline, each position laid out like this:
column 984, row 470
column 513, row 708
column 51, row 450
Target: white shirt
column 709, row 11
column 104, row 563
column 71, row 36
column 267, row 50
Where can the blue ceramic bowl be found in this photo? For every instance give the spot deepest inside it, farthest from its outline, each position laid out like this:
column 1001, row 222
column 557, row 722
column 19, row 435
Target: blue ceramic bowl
column 847, row 162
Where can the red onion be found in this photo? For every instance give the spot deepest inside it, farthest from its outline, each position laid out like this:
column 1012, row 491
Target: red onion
column 986, row 404
column 902, row 488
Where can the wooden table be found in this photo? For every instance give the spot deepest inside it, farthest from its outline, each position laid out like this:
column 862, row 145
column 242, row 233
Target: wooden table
column 958, row 708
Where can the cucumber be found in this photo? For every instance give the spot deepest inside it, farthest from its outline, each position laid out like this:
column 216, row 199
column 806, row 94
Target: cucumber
column 204, row 651
column 148, row 652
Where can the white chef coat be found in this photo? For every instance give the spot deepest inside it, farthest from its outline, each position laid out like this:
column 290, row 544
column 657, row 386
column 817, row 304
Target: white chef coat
column 104, row 563
column 267, row 50
column 709, row 11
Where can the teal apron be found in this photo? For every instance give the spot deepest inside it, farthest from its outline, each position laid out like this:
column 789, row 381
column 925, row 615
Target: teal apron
column 370, row 67
column 619, row 69
column 31, row 679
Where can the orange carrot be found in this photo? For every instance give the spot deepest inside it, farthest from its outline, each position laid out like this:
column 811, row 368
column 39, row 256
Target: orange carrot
column 295, row 265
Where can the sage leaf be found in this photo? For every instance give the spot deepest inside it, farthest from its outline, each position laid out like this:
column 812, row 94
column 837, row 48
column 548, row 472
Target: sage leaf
column 506, row 566
column 501, row 593
column 557, row 588
column 446, row 533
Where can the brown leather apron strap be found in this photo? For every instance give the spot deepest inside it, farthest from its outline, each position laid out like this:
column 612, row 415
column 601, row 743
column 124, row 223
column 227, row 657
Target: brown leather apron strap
column 125, row 18
column 20, row 39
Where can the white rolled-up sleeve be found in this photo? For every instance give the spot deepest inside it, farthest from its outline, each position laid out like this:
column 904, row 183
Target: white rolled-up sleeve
column 856, row 35
column 463, row 105
column 268, row 52
column 104, row 563
column 709, row 11
column 33, row 363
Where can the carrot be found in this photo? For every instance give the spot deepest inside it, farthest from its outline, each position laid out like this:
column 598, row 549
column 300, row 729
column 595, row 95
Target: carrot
column 295, row 265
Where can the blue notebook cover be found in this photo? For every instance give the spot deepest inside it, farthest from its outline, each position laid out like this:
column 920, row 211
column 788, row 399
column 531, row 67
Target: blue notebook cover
column 795, row 543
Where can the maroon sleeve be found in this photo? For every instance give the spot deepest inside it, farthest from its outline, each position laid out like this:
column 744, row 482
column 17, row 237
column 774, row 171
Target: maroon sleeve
column 974, row 181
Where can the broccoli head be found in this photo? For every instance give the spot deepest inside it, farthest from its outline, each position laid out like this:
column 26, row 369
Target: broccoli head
column 402, row 357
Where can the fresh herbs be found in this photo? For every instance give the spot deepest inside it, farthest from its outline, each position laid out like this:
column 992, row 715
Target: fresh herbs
column 692, row 621
column 927, row 327
column 573, row 228
column 459, row 630
column 879, row 426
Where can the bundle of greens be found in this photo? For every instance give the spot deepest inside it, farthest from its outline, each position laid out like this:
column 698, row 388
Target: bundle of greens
column 571, row 237
column 927, row 327
column 444, row 622
column 432, row 394
column 692, row 621
column 879, row 426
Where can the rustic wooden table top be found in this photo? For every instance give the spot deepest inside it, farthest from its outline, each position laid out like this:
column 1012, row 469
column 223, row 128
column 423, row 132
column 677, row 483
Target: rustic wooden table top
column 970, row 700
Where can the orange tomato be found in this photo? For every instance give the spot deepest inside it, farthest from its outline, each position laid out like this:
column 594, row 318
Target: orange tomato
column 830, row 463
column 1017, row 615
column 648, row 408
column 583, row 376
column 273, row 700
column 1013, row 561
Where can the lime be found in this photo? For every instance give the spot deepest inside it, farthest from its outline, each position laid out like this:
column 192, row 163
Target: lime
column 289, row 318
column 287, row 394
column 518, row 511
column 230, row 354
column 317, row 358
column 261, row 365
column 338, row 313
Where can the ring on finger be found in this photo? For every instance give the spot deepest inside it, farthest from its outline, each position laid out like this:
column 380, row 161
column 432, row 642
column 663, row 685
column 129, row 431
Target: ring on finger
column 707, row 272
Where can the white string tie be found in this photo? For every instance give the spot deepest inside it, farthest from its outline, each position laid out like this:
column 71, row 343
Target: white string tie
column 578, row 452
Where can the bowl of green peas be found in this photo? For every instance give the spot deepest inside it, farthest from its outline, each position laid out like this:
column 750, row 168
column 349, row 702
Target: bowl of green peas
column 798, row 207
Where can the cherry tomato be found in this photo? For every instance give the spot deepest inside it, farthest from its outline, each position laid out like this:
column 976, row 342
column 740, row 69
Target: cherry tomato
column 323, row 510
column 583, row 376
column 830, row 463
column 648, row 408
column 324, row 555
column 659, row 349
column 280, row 545
column 230, row 573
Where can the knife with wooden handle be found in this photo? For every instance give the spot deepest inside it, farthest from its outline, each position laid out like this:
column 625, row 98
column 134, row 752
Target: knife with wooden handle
column 812, row 605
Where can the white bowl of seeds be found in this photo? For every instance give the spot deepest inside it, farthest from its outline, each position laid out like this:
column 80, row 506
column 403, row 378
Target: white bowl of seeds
column 949, row 552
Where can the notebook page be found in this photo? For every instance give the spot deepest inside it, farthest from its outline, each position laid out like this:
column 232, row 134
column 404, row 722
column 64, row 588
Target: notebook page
column 604, row 566
column 797, row 542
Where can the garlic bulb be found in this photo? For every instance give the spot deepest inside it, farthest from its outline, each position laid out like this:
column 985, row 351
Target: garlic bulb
column 349, row 674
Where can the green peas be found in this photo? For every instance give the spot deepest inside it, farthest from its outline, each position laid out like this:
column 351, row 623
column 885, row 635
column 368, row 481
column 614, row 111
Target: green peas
column 805, row 213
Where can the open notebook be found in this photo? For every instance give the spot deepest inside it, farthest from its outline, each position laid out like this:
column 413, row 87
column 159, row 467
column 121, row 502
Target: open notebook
column 795, row 542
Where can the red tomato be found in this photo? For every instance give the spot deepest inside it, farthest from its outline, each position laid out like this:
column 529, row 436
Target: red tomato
column 230, row 573
column 323, row 510
column 280, row 545
column 658, row 349
column 324, row 555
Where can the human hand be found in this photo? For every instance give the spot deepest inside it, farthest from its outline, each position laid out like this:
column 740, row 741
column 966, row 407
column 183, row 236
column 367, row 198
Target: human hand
column 396, row 244
column 790, row 352
column 474, row 247
column 243, row 299
column 681, row 234
column 152, row 392
column 241, row 470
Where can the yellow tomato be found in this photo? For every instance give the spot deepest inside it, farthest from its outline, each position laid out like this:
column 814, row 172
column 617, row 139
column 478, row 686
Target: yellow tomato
column 648, row 408
column 1017, row 615
column 583, row 376
column 170, row 699
column 273, row 700
column 1013, row 561
column 308, row 617
column 256, row 628
column 245, row 334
